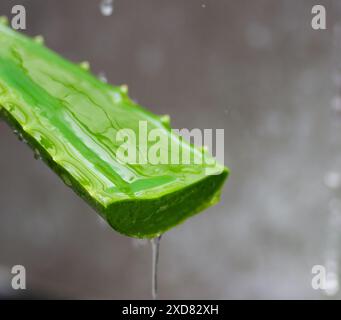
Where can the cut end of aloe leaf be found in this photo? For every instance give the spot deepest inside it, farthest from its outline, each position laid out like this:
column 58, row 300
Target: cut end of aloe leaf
column 74, row 122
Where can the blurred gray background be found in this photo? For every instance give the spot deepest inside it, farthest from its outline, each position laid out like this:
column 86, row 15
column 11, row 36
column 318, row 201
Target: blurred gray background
column 255, row 68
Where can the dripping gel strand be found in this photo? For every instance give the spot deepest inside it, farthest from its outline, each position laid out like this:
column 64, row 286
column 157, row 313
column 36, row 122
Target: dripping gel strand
column 155, row 251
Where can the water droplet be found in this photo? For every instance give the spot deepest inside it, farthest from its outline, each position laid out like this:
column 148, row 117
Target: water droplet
column 203, row 5
column 20, row 137
column 332, row 179
column 156, row 248
column 85, row 65
column 102, row 77
column 66, row 180
column 165, row 120
column 106, row 7
column 116, row 96
column 124, row 88
column 39, row 39
column 37, row 154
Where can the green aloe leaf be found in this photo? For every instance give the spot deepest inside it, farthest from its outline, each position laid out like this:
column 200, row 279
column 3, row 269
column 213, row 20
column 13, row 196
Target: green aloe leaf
column 72, row 120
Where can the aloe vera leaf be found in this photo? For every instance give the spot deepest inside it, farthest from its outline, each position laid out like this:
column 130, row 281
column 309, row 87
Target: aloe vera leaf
column 71, row 119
